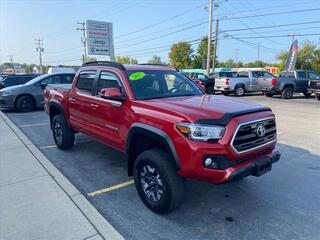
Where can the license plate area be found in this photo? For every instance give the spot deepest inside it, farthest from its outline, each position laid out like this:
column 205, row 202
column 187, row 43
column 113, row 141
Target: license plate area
column 263, row 167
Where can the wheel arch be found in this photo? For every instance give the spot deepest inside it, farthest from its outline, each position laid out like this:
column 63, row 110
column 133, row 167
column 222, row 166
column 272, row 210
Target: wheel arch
column 142, row 137
column 54, row 109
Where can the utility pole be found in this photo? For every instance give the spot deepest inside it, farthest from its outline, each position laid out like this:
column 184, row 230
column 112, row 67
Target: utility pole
column 237, row 49
column 258, row 59
column 209, row 37
column 215, row 44
column 39, row 49
column 83, row 39
column 11, row 60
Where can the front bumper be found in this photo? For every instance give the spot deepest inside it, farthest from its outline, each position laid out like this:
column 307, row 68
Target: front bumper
column 7, row 102
column 222, row 88
column 255, row 166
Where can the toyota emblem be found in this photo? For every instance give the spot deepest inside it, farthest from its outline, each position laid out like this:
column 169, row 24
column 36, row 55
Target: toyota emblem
column 260, row 130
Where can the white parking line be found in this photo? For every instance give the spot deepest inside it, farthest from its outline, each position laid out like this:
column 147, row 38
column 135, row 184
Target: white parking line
column 24, row 114
column 33, row 125
column 54, row 146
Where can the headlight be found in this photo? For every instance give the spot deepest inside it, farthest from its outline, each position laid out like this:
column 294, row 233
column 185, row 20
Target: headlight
column 201, row 132
column 6, row 93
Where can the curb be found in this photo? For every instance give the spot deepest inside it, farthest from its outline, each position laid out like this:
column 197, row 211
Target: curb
column 102, row 226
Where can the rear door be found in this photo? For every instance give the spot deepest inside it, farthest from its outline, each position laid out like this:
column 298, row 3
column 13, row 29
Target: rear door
column 80, row 102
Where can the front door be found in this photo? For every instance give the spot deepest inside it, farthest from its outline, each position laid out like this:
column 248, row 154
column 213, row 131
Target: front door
column 108, row 116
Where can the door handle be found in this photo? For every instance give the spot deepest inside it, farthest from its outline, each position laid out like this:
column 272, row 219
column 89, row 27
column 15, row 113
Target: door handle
column 72, row 100
column 94, row 105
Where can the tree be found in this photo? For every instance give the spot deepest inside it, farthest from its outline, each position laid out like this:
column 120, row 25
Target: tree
column 229, row 63
column 202, row 53
column 180, row 55
column 126, row 60
column 155, row 60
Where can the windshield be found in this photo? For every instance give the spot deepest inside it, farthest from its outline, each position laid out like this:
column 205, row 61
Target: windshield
column 37, row 79
column 161, row 84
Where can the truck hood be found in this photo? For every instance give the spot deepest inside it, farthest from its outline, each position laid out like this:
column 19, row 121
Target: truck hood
column 200, row 107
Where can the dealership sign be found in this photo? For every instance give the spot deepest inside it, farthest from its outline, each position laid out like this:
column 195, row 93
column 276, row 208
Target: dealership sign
column 99, row 38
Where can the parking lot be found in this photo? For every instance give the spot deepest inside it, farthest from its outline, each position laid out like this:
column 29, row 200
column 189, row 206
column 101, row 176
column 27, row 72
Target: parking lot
column 283, row 204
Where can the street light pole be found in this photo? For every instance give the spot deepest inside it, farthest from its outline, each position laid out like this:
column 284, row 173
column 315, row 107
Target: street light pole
column 209, row 38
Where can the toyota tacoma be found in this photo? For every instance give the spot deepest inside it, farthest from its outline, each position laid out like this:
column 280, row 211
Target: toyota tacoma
column 168, row 128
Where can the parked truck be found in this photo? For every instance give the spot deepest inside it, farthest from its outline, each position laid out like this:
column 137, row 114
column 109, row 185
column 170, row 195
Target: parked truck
column 288, row 83
column 241, row 82
column 167, row 127
column 314, row 87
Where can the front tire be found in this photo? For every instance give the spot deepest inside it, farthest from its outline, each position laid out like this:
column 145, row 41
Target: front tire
column 318, row 97
column 63, row 136
column 287, row 93
column 239, row 91
column 157, row 182
column 25, row 104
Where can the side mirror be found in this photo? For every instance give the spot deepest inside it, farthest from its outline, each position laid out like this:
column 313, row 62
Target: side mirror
column 112, row 93
column 43, row 85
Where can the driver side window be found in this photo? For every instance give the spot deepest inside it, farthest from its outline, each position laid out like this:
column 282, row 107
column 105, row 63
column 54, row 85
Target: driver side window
column 108, row 80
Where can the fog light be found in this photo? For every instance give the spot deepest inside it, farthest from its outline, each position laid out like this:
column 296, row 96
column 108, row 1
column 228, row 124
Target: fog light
column 208, row 162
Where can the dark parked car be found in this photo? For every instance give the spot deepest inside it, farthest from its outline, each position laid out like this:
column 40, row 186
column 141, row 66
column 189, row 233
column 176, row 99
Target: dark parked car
column 13, row 80
column 314, row 87
column 29, row 96
column 288, row 83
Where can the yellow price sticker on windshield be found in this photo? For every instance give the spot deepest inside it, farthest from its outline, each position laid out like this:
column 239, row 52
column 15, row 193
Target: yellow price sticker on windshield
column 136, row 76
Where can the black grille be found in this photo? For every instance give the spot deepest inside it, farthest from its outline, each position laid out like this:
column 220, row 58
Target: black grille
column 247, row 138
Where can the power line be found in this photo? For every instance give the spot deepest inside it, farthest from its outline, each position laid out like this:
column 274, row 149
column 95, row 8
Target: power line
column 162, row 21
column 205, row 22
column 280, row 36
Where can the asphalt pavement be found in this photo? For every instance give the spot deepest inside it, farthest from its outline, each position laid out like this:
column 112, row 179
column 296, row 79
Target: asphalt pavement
column 283, row 204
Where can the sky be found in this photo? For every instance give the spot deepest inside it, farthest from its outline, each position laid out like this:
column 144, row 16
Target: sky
column 143, row 28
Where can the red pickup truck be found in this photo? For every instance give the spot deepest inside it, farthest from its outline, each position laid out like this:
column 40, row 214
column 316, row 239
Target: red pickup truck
column 168, row 128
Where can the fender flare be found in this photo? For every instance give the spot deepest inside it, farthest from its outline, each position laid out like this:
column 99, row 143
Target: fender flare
column 155, row 133
column 57, row 105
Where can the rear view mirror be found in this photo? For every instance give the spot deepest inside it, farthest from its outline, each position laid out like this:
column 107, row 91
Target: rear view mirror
column 111, row 93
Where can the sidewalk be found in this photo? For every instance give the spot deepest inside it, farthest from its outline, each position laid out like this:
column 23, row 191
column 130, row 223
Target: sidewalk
column 36, row 200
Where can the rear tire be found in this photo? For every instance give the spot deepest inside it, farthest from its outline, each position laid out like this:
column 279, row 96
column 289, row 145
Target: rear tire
column 157, row 182
column 287, row 93
column 63, row 136
column 225, row 93
column 267, row 94
column 25, row 104
column 239, row 91
column 318, row 97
